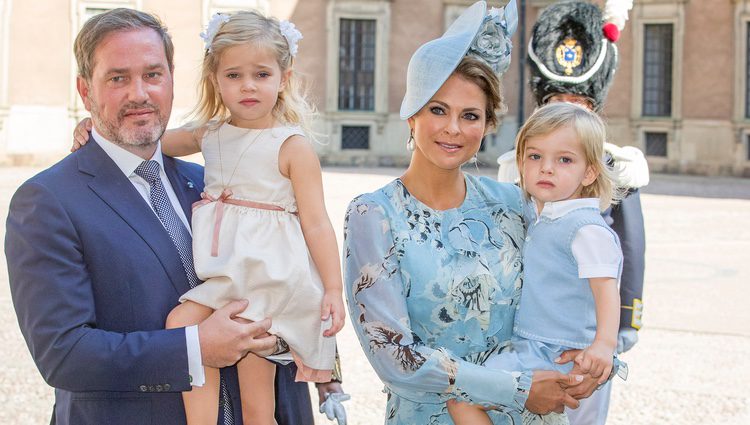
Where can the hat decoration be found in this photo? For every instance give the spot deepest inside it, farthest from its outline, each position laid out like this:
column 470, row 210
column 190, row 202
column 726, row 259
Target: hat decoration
column 475, row 32
column 493, row 44
column 572, row 51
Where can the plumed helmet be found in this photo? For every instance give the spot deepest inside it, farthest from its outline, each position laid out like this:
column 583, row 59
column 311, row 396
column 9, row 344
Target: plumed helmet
column 572, row 51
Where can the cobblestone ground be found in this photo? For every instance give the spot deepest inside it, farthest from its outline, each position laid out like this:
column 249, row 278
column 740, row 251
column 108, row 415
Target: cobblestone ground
column 690, row 367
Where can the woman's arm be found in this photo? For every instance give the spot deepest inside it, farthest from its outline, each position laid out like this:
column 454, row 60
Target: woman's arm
column 377, row 306
column 298, row 161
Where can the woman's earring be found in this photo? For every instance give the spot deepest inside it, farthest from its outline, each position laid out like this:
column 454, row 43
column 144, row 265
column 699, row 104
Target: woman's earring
column 410, row 142
column 473, row 159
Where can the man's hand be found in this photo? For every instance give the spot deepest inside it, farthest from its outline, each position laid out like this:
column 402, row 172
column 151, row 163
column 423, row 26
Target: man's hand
column 589, row 383
column 548, row 392
column 224, row 340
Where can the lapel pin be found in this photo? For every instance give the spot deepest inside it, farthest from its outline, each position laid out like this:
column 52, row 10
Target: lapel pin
column 190, row 185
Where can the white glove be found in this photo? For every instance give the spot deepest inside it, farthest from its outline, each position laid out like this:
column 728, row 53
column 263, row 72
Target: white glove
column 507, row 171
column 626, row 339
column 333, row 408
column 631, row 167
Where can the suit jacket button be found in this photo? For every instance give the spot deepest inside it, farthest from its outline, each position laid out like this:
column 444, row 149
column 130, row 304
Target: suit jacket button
column 167, row 387
column 143, row 388
column 158, row 388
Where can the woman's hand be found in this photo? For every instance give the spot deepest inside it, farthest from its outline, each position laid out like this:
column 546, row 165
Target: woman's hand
column 596, row 360
column 333, row 307
column 81, row 134
column 547, row 393
column 589, row 383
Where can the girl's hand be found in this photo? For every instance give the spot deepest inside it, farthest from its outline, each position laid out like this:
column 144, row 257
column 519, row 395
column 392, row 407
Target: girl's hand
column 596, row 360
column 333, row 306
column 81, row 134
column 547, row 393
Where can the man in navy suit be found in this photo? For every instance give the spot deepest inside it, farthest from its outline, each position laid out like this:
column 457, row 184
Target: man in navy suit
column 95, row 269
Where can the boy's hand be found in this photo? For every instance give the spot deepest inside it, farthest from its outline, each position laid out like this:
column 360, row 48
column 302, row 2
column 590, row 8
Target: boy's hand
column 333, row 307
column 81, row 134
column 596, row 360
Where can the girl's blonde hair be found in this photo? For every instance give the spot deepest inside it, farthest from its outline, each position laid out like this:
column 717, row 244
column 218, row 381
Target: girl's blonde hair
column 259, row 31
column 591, row 132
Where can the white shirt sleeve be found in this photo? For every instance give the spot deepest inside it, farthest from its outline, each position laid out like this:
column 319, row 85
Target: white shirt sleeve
column 596, row 252
column 507, row 170
column 195, row 365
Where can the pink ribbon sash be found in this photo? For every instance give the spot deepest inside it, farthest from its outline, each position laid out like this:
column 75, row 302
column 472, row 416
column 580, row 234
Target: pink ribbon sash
column 225, row 198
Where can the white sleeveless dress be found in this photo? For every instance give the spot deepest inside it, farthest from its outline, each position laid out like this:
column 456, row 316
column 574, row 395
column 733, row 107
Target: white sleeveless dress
column 261, row 254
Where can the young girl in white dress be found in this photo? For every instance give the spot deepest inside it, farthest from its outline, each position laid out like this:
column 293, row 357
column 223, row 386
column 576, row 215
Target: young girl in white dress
column 572, row 260
column 261, row 232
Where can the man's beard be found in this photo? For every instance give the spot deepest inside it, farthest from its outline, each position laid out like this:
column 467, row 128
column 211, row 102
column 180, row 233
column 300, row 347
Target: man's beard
column 135, row 136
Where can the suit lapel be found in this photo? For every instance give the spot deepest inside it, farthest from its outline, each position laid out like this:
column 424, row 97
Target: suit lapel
column 115, row 189
column 185, row 189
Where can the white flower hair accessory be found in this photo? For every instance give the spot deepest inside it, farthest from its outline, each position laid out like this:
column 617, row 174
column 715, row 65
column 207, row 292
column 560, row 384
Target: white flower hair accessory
column 492, row 44
column 212, row 29
column 292, row 35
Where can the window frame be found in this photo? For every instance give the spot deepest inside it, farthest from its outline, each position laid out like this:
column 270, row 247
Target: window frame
column 666, row 143
column 369, row 137
column 379, row 11
column 349, row 99
column 644, row 69
column 655, row 12
column 646, row 12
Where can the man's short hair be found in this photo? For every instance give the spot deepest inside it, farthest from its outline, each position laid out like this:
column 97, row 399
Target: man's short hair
column 120, row 19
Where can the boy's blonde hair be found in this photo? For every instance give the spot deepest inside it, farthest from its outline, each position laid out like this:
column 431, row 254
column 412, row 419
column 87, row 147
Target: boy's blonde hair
column 259, row 31
column 590, row 131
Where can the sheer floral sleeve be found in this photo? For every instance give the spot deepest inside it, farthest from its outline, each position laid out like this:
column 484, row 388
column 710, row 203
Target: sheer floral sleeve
column 377, row 294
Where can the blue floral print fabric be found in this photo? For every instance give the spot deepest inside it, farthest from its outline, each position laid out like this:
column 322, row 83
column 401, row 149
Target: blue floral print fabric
column 432, row 294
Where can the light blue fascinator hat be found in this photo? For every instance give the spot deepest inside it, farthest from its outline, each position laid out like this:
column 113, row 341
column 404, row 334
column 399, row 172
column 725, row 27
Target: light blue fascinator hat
column 476, row 33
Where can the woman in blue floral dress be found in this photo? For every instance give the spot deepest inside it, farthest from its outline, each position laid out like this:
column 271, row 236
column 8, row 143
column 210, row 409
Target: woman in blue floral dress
column 433, row 267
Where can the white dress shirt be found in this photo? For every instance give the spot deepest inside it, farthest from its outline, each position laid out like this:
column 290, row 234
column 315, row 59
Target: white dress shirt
column 127, row 162
column 594, row 247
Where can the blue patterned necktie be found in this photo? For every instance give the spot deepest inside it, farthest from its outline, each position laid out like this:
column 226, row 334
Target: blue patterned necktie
column 149, row 171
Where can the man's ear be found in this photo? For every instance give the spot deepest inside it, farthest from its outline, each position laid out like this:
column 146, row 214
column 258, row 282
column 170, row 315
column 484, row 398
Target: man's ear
column 83, row 90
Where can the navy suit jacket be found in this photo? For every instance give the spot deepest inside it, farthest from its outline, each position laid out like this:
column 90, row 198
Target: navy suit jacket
column 93, row 275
